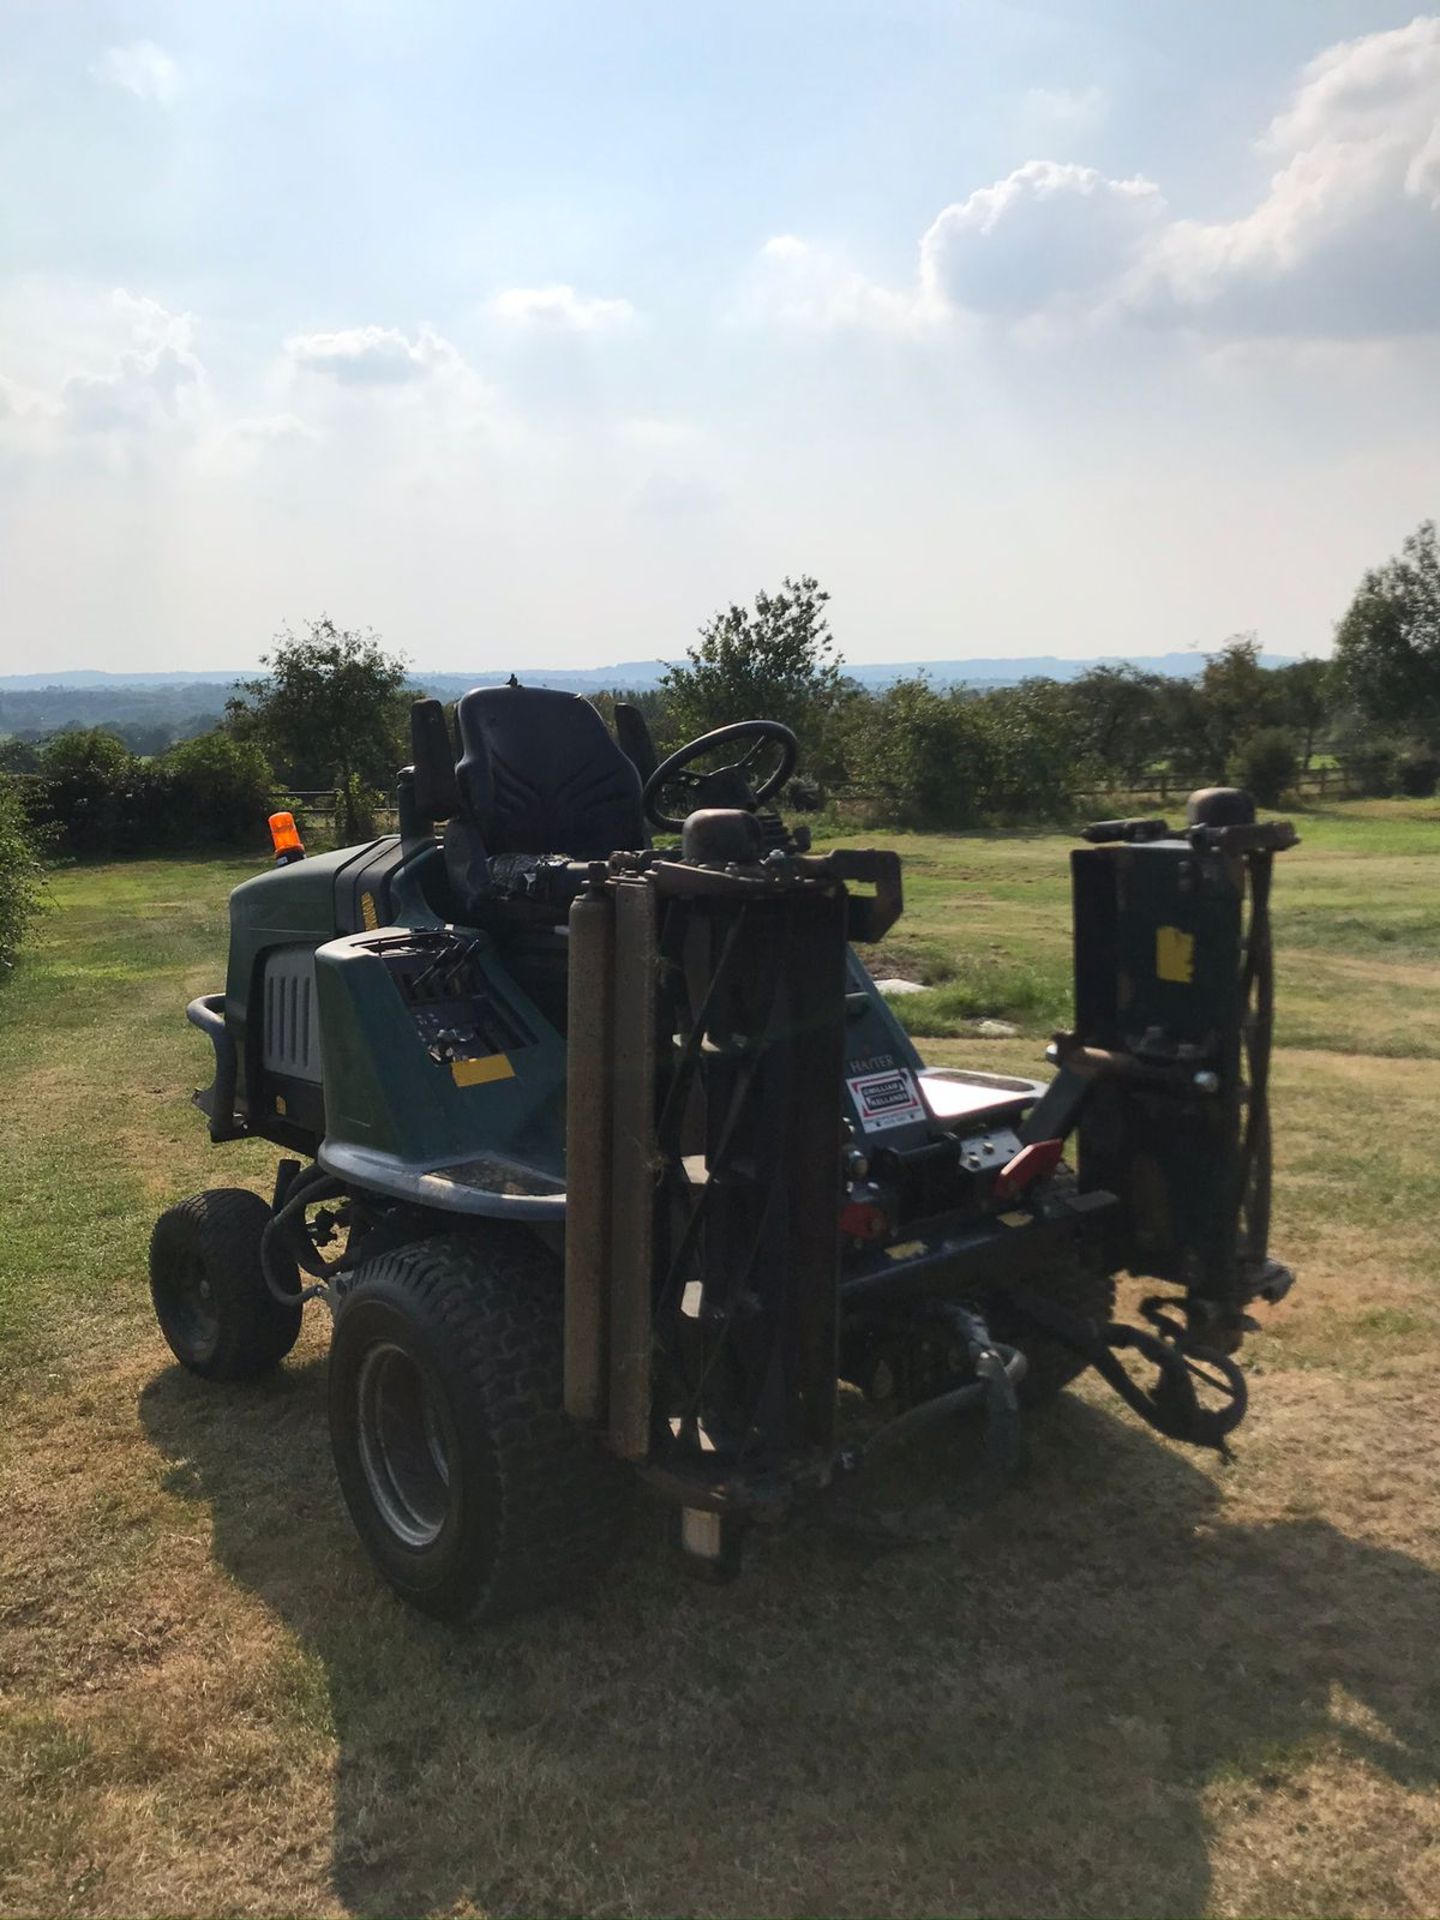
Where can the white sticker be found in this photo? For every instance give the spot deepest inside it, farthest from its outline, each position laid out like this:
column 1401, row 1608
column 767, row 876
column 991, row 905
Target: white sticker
column 888, row 1099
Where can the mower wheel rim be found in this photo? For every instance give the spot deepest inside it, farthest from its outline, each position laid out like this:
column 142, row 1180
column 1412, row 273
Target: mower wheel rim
column 403, row 1454
column 192, row 1306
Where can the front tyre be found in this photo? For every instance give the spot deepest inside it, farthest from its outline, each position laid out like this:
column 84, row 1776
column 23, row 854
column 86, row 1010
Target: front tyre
column 473, row 1491
column 208, row 1287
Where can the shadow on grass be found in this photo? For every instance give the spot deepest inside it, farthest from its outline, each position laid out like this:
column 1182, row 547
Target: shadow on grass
column 1020, row 1714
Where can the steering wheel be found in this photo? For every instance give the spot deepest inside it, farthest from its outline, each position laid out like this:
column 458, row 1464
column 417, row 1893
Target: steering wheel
column 729, row 786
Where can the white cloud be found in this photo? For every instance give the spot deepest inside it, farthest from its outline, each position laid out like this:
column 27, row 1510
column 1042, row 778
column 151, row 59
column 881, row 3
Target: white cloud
column 143, row 69
column 560, row 309
column 27, row 418
column 157, row 381
column 371, row 356
column 1048, row 239
column 1048, row 236
column 239, row 445
column 800, row 284
column 329, row 373
column 1347, row 239
column 1344, row 243
column 18, row 402
column 137, row 382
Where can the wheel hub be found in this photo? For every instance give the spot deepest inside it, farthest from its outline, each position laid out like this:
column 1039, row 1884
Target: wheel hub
column 192, row 1304
column 402, row 1445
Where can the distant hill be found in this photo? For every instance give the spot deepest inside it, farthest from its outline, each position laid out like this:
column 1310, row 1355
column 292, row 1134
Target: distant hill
column 209, row 688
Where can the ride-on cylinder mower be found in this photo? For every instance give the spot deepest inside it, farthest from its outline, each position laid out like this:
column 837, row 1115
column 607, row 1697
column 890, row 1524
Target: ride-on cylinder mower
column 612, row 1164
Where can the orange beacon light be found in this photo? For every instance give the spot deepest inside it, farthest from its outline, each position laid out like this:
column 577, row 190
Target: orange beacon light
column 286, row 839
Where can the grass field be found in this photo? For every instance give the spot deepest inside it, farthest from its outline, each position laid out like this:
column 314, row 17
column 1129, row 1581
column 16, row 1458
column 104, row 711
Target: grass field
column 1142, row 1683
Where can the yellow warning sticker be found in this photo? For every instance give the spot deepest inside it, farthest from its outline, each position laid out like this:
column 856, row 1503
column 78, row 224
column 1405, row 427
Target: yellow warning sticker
column 1174, row 955
column 478, row 1073
column 369, row 912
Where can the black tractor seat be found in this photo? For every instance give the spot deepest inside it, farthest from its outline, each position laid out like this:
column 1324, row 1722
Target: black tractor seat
column 540, row 772
column 539, row 776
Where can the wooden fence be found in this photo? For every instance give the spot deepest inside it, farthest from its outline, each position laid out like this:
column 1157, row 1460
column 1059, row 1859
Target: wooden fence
column 1318, row 783
column 319, row 807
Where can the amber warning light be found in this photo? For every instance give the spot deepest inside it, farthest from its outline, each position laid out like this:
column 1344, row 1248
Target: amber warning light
column 286, row 839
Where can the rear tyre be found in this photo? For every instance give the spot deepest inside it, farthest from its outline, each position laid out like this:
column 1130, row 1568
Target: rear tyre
column 473, row 1491
column 208, row 1287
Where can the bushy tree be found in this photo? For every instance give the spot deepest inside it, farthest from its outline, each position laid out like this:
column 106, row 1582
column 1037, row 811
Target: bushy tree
column 919, row 755
column 1205, row 721
column 1417, row 773
column 1265, row 764
column 95, row 795
column 332, row 711
column 773, row 661
column 1236, row 693
column 19, row 756
column 1119, row 719
column 1034, row 764
column 216, row 791
column 1387, row 646
column 1302, row 699
column 21, row 883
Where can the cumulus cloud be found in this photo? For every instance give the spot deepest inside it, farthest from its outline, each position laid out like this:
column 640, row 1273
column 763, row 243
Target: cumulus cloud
column 27, row 418
column 804, row 285
column 372, row 356
column 560, row 309
column 157, row 381
column 143, row 69
column 1347, row 238
column 1344, row 242
column 150, row 388
column 19, row 402
column 1047, row 236
column 1050, row 240
column 332, row 374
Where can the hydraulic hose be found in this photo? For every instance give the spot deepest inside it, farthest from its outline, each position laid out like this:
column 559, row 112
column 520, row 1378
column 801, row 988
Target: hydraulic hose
column 286, row 1229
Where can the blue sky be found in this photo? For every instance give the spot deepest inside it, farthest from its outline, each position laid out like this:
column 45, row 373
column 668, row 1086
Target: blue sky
column 531, row 333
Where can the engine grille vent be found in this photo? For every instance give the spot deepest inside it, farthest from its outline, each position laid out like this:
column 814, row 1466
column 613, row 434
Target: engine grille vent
column 291, row 1040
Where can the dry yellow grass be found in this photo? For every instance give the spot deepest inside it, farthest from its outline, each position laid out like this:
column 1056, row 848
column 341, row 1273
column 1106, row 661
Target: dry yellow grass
column 1143, row 1683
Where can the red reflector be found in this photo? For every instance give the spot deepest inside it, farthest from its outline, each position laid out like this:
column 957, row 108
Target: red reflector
column 859, row 1220
column 1030, row 1164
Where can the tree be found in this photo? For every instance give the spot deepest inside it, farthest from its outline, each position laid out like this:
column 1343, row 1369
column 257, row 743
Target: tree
column 332, row 709
column 216, row 791
column 20, row 875
column 775, row 662
column 1119, row 717
column 1265, row 764
column 95, row 794
column 1237, row 693
column 919, row 754
column 19, row 756
column 1035, row 767
column 1387, row 646
column 1206, row 720
column 1302, row 698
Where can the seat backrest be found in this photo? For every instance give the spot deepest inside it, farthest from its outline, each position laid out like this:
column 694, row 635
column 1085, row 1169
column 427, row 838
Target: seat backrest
column 540, row 772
